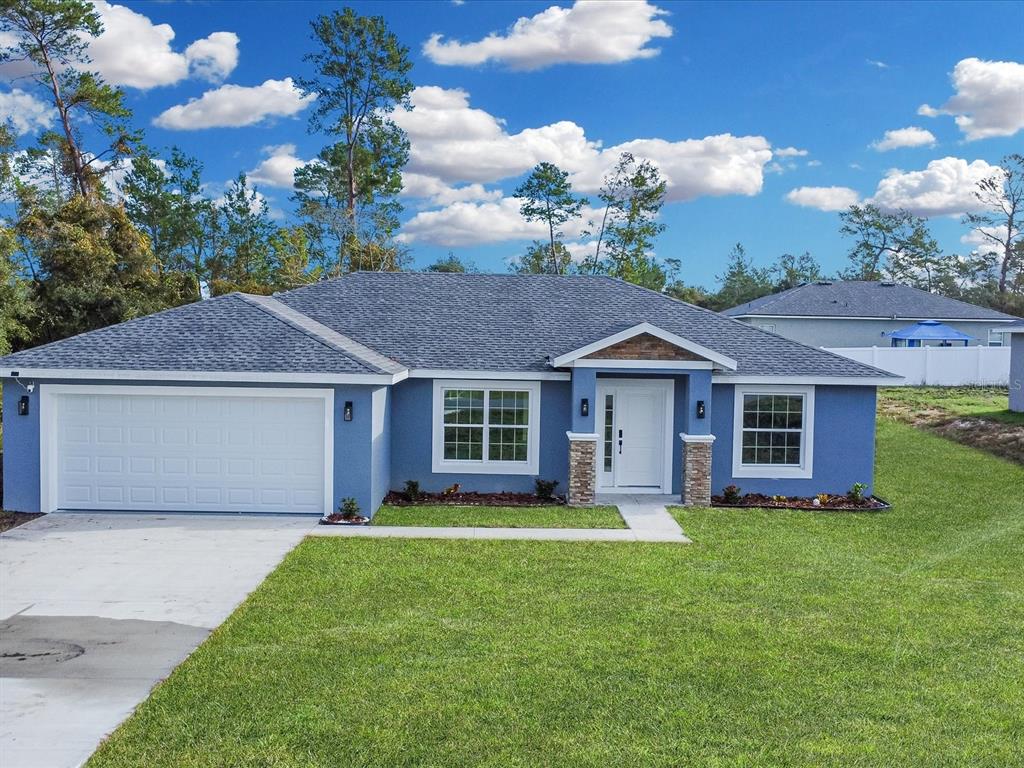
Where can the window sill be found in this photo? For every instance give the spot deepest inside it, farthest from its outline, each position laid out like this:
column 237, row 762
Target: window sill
column 768, row 472
column 484, row 468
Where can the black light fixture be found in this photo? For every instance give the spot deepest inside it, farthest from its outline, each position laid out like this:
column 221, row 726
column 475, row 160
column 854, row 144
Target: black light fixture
column 348, row 410
column 585, row 407
column 701, row 411
column 23, row 405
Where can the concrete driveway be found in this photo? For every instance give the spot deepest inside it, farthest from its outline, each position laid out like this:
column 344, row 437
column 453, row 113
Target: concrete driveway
column 96, row 609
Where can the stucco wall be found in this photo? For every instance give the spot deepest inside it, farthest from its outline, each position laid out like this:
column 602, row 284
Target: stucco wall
column 353, row 443
column 1016, row 372
column 844, row 443
column 411, row 421
column 832, row 332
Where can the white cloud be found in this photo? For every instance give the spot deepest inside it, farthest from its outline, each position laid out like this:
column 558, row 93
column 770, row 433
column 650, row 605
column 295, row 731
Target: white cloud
column 789, row 152
column 988, row 100
column 904, row 137
column 26, row 113
column 979, row 241
column 590, row 32
column 214, row 57
column 877, row 63
column 813, row 163
column 232, row 106
column 419, row 186
column 824, row 198
column 453, row 142
column 133, row 51
column 474, row 223
column 278, row 170
column 945, row 188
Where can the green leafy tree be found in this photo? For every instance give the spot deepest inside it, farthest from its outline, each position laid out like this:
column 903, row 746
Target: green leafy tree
column 790, row 271
column 897, row 245
column 543, row 259
column 742, row 281
column 632, row 193
column 362, row 76
column 91, row 267
column 547, row 197
column 52, row 37
column 241, row 255
column 289, row 249
column 14, row 296
column 1000, row 223
column 451, row 263
column 165, row 200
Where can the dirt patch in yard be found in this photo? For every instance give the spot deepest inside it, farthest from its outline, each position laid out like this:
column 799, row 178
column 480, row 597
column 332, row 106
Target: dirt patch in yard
column 997, row 437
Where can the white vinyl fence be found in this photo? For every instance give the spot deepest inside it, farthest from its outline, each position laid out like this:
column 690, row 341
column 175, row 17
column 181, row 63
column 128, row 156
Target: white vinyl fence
column 937, row 366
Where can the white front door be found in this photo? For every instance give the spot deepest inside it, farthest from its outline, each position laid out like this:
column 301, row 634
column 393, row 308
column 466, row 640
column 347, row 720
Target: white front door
column 636, row 450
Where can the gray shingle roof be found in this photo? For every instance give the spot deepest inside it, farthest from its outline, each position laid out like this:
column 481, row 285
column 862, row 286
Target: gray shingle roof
column 515, row 322
column 422, row 320
column 862, row 298
column 221, row 334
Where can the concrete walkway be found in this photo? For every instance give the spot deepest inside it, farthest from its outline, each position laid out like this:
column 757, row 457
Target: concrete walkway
column 96, row 609
column 646, row 518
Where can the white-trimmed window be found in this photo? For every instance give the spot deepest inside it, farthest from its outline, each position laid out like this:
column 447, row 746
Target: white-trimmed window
column 773, row 431
column 486, row 426
column 996, row 338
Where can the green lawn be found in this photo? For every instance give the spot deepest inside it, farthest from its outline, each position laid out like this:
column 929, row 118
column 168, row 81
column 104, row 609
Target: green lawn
column 776, row 639
column 501, row 517
column 982, row 402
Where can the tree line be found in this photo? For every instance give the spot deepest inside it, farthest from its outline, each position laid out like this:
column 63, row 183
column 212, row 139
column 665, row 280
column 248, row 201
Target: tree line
column 103, row 227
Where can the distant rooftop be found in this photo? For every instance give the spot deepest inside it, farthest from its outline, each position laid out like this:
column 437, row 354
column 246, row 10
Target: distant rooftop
column 864, row 299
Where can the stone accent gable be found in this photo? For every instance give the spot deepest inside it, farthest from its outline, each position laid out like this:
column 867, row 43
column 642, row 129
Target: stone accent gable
column 643, row 346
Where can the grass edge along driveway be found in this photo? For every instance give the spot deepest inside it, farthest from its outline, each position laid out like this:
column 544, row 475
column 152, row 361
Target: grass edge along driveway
column 777, row 639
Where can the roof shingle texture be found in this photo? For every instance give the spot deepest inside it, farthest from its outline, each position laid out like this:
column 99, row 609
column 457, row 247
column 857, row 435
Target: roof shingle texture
column 424, row 320
column 515, row 322
column 221, row 334
column 863, row 298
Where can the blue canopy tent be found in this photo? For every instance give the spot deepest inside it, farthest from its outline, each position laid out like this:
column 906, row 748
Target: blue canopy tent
column 928, row 330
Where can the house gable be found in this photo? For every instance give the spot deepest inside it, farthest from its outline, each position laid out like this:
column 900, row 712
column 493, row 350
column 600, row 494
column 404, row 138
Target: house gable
column 644, row 347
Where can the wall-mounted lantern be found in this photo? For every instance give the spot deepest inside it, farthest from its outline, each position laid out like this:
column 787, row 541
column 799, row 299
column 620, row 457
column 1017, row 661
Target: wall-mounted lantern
column 23, row 405
column 347, row 413
column 585, row 407
column 701, row 411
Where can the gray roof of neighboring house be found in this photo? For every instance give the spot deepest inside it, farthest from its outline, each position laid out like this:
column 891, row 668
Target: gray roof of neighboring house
column 864, row 298
column 423, row 320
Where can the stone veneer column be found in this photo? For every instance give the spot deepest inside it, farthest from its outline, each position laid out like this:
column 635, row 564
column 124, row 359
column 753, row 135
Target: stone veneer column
column 582, row 468
column 696, row 469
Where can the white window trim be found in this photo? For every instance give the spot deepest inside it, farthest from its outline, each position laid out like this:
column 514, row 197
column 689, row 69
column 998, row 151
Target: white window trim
column 806, row 468
column 49, row 416
column 486, row 467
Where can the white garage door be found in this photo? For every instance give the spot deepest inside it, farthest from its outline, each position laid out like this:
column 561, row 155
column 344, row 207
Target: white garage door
column 184, row 452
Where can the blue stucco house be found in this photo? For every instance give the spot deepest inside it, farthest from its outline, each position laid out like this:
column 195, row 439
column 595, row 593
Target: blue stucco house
column 350, row 387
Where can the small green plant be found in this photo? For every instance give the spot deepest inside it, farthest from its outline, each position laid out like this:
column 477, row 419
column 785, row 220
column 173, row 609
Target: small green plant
column 822, row 498
column 349, row 509
column 545, row 489
column 731, row 494
column 412, row 490
column 857, row 492
column 779, row 499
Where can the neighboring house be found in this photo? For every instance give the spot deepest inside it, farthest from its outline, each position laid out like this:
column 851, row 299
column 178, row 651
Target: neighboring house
column 861, row 313
column 350, row 387
column 1016, row 335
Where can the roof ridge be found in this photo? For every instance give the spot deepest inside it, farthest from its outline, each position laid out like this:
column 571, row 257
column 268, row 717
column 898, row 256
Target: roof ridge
column 330, row 338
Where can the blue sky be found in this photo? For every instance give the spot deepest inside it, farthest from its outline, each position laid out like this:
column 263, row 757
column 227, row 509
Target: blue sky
column 760, row 114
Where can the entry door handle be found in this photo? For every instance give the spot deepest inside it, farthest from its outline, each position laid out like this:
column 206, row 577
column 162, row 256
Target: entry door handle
column 620, row 441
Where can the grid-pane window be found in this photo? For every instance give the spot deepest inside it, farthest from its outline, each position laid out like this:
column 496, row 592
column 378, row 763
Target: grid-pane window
column 773, row 429
column 464, row 424
column 486, row 423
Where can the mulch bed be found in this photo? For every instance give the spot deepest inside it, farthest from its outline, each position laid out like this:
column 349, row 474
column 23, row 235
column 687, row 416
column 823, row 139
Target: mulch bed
column 471, row 499
column 832, row 503
column 10, row 520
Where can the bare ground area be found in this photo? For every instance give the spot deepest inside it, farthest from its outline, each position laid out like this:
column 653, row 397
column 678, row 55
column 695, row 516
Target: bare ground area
column 960, row 414
column 10, row 520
